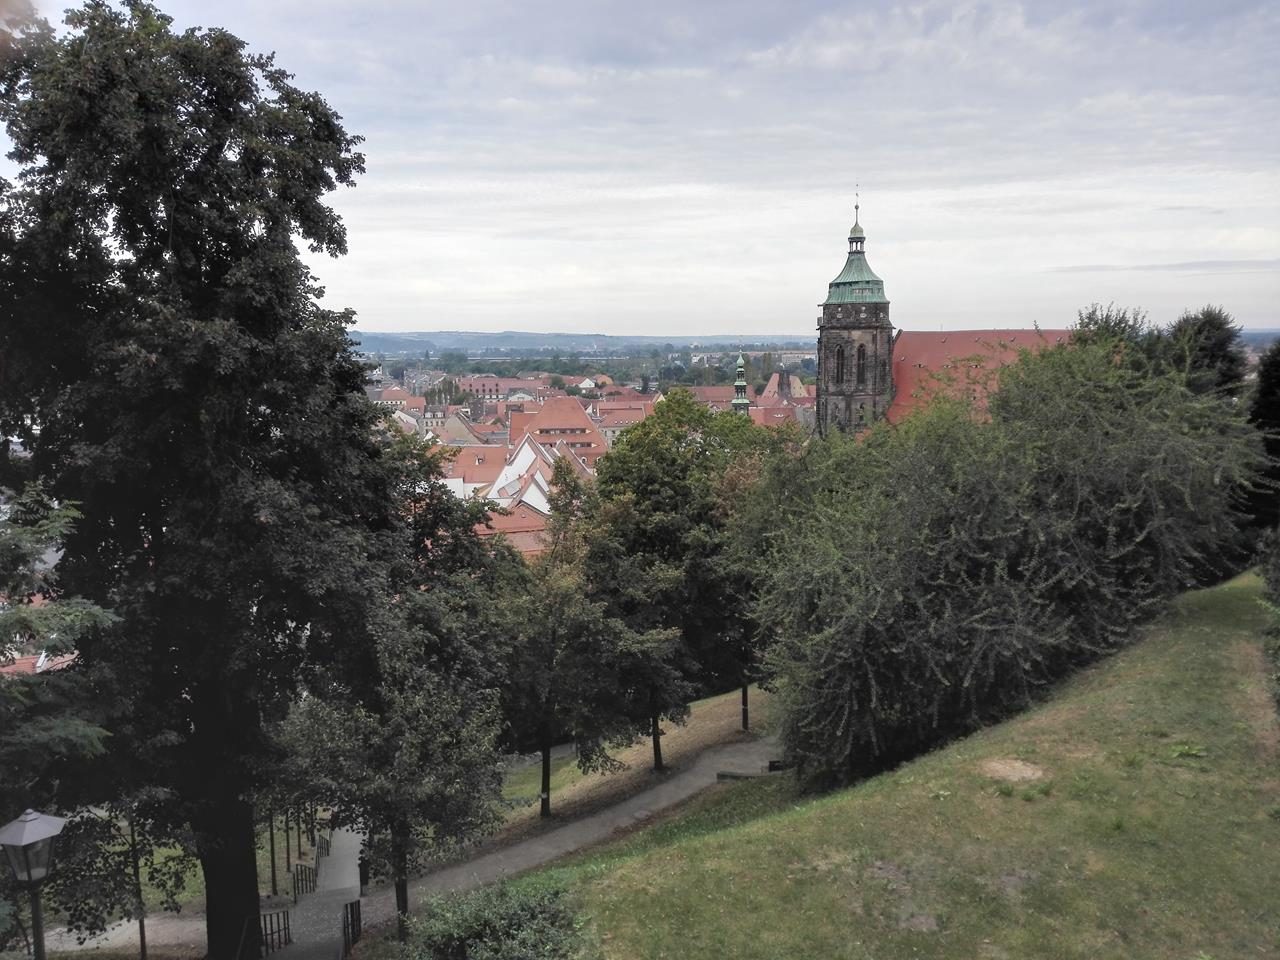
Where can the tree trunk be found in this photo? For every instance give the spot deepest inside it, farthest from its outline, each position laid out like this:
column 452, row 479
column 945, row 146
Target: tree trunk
column 656, row 733
column 137, row 892
column 226, row 844
column 746, row 716
column 288, row 848
column 271, row 834
column 545, row 809
column 400, row 864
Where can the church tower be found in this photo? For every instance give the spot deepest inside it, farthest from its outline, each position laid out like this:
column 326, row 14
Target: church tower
column 855, row 344
column 740, row 402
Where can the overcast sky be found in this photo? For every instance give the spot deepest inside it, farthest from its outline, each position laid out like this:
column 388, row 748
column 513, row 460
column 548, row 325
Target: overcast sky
column 689, row 167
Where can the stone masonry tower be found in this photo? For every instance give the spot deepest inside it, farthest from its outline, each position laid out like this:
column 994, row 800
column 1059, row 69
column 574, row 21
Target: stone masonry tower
column 855, row 345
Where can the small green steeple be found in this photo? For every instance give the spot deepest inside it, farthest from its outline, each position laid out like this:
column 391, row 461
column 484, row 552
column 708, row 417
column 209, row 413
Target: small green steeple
column 740, row 402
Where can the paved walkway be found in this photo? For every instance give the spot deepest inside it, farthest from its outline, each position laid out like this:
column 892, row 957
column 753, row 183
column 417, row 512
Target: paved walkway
column 751, row 757
column 317, row 920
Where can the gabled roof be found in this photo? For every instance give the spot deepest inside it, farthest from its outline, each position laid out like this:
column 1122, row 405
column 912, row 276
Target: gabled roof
column 926, row 363
column 561, row 419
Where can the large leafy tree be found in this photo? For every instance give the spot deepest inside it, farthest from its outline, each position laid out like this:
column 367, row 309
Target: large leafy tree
column 1264, row 413
column 572, row 668
column 660, row 554
column 1206, row 345
column 167, row 366
column 405, row 747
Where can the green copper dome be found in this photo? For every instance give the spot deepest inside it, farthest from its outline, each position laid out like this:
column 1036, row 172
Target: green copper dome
column 857, row 282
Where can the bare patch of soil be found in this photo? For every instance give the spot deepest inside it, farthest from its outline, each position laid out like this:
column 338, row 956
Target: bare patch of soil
column 1011, row 770
column 1257, row 704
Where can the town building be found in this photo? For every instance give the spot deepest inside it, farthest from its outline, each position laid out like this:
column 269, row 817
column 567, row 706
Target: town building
column 867, row 371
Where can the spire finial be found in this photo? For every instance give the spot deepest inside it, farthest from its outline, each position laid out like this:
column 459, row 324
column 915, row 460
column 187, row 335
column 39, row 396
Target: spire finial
column 857, row 201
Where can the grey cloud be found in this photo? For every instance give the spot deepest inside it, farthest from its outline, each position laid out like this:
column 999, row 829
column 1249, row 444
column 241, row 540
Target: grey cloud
column 693, row 163
column 1192, row 266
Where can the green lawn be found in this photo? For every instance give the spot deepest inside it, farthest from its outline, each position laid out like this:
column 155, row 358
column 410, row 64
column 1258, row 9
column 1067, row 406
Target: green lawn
column 524, row 784
column 1136, row 814
column 712, row 721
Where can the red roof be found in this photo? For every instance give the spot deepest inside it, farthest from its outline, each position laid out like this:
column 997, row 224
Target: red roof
column 561, row 419
column 36, row 663
column 477, row 464
column 623, row 417
column 523, row 528
column 773, row 416
column 713, row 394
column 19, row 665
column 924, row 362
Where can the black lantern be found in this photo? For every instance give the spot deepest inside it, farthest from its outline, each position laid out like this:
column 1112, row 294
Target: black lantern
column 28, row 846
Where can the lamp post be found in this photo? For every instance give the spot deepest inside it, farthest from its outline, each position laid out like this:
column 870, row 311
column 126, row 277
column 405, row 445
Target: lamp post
column 28, row 845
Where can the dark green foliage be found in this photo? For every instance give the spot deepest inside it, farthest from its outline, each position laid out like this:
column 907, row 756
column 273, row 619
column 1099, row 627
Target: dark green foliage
column 1134, row 339
column 509, row 922
column 573, row 669
column 49, row 723
column 1264, row 413
column 169, row 368
column 932, row 576
column 405, row 747
column 660, row 553
column 1207, row 347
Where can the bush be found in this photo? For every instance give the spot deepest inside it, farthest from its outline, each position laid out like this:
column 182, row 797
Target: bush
column 508, row 922
column 1269, row 554
column 930, row 577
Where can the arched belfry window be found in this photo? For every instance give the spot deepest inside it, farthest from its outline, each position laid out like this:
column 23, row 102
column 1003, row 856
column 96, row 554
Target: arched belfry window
column 861, row 374
column 839, row 364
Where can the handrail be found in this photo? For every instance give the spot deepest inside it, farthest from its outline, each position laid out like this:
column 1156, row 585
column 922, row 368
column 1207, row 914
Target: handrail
column 351, row 927
column 244, row 929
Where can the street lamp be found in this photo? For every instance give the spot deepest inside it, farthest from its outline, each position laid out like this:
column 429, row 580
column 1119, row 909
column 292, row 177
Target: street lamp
column 28, row 844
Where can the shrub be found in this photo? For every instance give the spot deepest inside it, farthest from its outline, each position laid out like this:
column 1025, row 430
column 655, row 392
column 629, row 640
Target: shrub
column 508, row 922
column 932, row 576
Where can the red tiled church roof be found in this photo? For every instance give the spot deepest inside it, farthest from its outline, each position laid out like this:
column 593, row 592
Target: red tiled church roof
column 924, row 360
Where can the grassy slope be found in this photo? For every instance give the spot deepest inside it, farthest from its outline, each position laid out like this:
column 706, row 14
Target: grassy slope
column 712, row 722
column 1154, row 831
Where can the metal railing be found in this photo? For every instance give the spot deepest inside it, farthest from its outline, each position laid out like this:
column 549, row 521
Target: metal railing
column 323, row 845
column 351, row 928
column 275, row 931
column 304, row 880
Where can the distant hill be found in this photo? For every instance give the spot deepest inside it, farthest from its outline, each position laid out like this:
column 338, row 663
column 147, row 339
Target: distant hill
column 508, row 341
column 605, row 344
column 1260, row 339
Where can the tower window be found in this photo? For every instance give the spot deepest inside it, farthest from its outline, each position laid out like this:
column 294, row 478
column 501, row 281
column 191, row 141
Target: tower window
column 861, row 372
column 839, row 364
